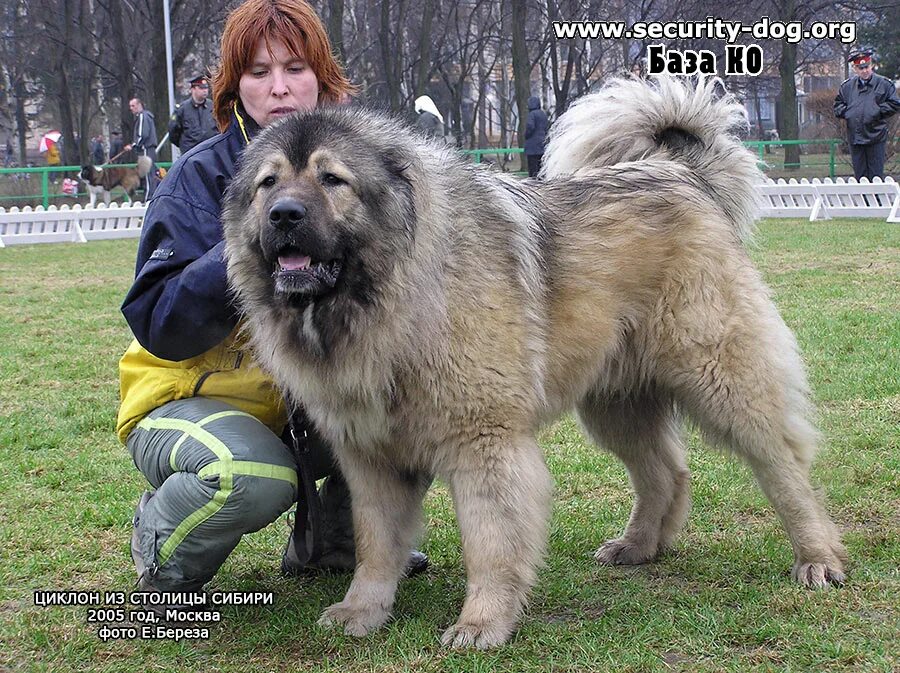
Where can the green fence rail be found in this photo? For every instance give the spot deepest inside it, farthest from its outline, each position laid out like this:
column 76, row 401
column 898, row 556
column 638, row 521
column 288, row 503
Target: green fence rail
column 14, row 180
column 763, row 145
column 11, row 177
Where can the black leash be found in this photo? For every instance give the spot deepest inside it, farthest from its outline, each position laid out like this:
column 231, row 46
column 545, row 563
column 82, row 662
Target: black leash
column 308, row 519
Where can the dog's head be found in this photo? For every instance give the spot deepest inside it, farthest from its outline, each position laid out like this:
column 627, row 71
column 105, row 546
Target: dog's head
column 320, row 213
column 90, row 174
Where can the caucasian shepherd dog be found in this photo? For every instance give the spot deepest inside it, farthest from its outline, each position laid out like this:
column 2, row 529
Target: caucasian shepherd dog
column 431, row 315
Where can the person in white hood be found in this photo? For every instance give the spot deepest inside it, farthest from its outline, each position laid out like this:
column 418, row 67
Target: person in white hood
column 430, row 122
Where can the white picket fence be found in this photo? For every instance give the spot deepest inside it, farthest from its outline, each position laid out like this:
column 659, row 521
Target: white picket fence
column 815, row 199
column 76, row 224
column 824, row 199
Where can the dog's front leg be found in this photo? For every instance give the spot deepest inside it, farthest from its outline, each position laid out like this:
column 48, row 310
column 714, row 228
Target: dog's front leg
column 502, row 501
column 387, row 514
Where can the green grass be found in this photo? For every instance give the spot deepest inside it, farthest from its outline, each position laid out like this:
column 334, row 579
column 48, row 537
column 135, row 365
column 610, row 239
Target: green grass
column 720, row 601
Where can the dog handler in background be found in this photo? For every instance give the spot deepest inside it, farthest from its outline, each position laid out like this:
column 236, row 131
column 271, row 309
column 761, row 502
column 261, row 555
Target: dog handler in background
column 202, row 422
column 866, row 101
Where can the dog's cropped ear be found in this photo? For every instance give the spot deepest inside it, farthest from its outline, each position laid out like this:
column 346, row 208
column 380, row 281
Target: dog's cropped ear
column 397, row 162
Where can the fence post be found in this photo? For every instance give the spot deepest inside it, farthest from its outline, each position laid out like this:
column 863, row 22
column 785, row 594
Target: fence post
column 831, row 158
column 45, row 188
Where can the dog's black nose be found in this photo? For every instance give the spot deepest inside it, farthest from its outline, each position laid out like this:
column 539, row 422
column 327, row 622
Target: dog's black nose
column 286, row 213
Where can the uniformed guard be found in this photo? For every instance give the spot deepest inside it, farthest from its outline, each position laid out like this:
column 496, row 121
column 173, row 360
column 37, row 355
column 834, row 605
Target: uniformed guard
column 192, row 122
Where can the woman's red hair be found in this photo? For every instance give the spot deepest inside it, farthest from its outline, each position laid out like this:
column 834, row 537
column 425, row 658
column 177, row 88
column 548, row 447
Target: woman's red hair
column 292, row 22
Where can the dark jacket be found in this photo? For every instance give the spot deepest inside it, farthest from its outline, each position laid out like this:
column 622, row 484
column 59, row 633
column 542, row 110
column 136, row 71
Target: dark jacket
column 115, row 148
column 187, row 340
column 191, row 124
column 178, row 306
column 98, row 156
column 535, row 127
column 430, row 125
column 144, row 132
column 866, row 106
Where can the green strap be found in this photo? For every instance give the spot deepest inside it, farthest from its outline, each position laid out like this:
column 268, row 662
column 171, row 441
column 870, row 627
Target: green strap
column 250, row 468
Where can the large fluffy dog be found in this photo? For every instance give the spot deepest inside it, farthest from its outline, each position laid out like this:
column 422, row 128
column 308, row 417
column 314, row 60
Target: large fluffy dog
column 431, row 315
column 104, row 180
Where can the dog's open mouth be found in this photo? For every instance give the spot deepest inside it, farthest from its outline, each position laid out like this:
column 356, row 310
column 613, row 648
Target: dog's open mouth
column 299, row 274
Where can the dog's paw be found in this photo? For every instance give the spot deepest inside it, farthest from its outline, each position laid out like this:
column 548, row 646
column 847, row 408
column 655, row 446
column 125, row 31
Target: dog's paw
column 481, row 636
column 357, row 621
column 818, row 575
column 624, row 552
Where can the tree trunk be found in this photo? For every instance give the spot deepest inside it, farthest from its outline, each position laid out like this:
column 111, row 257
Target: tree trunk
column 789, row 126
column 21, row 92
column 124, row 67
column 424, row 50
column 388, row 57
column 335, row 28
column 64, row 93
column 521, row 66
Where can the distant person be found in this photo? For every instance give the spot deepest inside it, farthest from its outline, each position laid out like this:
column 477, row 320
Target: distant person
column 8, row 155
column 535, row 135
column 54, row 158
column 866, row 101
column 116, row 146
column 430, row 122
column 192, row 122
column 144, row 142
column 98, row 153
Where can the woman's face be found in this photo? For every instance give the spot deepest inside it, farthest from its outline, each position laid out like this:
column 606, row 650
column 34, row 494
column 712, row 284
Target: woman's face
column 277, row 84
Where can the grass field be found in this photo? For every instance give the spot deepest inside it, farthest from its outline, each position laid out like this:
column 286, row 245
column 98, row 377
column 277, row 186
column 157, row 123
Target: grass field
column 721, row 600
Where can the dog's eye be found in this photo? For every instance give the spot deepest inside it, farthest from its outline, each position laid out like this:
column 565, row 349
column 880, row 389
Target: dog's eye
column 268, row 181
column 331, row 180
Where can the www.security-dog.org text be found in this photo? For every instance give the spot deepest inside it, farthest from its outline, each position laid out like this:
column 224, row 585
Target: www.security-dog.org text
column 740, row 59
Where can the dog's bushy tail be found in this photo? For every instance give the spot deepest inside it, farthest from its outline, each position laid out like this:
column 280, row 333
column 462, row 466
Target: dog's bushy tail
column 665, row 118
column 144, row 164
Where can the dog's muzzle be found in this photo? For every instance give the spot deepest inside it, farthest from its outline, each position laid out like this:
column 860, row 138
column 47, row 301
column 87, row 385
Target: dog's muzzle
column 299, row 270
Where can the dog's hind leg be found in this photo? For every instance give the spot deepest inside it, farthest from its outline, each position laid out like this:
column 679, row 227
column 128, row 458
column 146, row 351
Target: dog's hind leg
column 501, row 493
column 749, row 394
column 387, row 514
column 644, row 431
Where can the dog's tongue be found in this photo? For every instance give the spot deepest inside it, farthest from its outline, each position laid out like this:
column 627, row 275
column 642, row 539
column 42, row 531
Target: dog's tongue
column 293, row 262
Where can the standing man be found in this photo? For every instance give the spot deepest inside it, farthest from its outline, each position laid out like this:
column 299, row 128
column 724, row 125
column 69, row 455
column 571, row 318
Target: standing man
column 116, row 146
column 866, row 101
column 535, row 135
column 192, row 122
column 144, row 143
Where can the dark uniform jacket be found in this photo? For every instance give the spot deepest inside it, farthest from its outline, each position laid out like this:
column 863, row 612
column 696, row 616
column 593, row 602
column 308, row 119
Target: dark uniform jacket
column 866, row 106
column 191, row 124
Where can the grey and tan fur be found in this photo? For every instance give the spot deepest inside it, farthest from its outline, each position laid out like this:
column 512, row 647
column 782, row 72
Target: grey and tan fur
column 431, row 316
